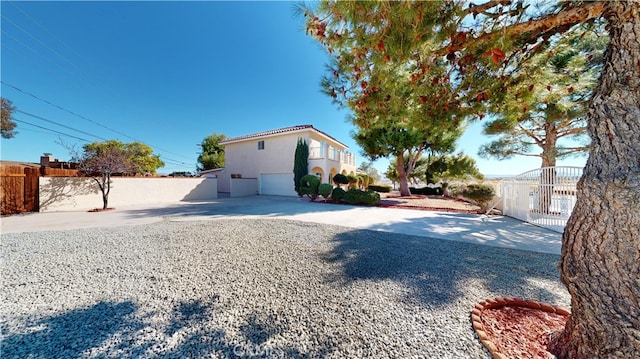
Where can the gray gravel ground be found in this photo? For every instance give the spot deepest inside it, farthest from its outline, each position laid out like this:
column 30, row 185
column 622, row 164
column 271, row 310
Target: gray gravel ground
column 254, row 288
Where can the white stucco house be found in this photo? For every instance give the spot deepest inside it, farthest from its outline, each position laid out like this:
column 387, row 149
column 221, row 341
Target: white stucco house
column 262, row 163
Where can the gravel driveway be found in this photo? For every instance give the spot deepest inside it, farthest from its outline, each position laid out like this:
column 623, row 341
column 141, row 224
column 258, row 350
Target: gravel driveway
column 254, row 288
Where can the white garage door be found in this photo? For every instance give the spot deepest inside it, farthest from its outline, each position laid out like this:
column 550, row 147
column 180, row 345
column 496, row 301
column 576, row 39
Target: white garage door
column 277, row 184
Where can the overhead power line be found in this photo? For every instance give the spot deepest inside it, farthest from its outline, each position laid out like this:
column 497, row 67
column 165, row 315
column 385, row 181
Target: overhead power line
column 13, row 3
column 86, row 119
column 41, row 42
column 50, row 130
column 166, row 160
column 58, row 123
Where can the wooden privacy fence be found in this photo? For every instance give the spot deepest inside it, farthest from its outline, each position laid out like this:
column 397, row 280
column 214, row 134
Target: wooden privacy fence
column 58, row 172
column 19, row 188
column 19, row 191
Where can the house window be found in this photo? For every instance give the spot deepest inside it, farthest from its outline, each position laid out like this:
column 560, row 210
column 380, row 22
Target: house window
column 261, row 145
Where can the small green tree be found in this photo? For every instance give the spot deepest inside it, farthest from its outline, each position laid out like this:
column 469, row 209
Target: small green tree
column 309, row 185
column 325, row 190
column 367, row 167
column 353, row 181
column 102, row 159
column 300, row 164
column 142, row 157
column 340, row 179
column 212, row 155
column 7, row 118
column 479, row 193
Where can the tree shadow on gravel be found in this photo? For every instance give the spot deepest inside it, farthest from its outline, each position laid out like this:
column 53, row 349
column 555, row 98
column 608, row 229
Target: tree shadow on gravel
column 270, row 206
column 435, row 270
column 70, row 334
column 108, row 329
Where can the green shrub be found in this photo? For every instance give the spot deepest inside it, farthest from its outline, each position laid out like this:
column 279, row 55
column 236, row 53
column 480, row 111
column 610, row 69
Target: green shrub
column 338, row 194
column 427, row 191
column 353, row 181
column 340, row 179
column 325, row 190
column 456, row 190
column 364, row 180
column 479, row 193
column 356, row 196
column 379, row 188
column 309, row 185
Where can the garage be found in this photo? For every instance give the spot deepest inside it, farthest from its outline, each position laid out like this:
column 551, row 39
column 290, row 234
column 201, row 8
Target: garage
column 277, row 184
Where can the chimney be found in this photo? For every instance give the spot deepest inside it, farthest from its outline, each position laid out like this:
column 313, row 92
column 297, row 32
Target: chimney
column 46, row 158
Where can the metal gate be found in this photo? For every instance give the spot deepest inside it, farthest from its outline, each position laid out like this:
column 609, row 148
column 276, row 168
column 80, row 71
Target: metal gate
column 544, row 196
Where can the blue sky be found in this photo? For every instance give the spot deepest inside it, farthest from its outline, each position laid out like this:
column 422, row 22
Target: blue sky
column 168, row 74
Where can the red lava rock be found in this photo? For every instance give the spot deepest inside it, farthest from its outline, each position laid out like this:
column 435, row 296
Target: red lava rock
column 482, row 335
column 547, row 308
column 500, row 300
column 519, row 328
column 534, row 305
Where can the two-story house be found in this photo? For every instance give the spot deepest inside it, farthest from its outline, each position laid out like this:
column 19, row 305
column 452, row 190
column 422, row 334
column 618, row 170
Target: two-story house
column 265, row 160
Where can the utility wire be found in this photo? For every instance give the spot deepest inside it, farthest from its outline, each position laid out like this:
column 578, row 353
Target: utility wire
column 166, row 159
column 50, row 130
column 20, row 42
column 72, row 64
column 169, row 161
column 63, row 109
column 13, row 3
column 84, row 118
column 175, row 162
column 41, row 43
column 58, row 123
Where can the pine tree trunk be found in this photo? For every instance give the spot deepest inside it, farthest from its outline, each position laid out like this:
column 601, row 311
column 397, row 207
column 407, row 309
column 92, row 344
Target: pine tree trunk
column 548, row 176
column 600, row 262
column 402, row 176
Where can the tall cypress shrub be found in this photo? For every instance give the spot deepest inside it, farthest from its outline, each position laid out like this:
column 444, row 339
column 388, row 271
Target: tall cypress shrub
column 300, row 164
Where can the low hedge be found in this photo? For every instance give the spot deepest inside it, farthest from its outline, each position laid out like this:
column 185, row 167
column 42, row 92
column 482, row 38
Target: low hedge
column 379, row 188
column 356, row 196
column 427, row 191
column 338, row 194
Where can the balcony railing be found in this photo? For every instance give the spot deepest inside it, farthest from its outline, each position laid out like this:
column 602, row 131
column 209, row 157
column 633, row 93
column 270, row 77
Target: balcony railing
column 332, row 153
column 316, row 153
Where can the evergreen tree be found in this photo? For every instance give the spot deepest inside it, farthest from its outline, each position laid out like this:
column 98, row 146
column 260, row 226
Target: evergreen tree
column 212, row 155
column 367, row 167
column 397, row 111
column 484, row 47
column 8, row 125
column 300, row 164
column 547, row 110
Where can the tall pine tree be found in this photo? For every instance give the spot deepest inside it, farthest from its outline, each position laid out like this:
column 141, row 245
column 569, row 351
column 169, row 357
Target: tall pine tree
column 300, row 164
column 485, row 46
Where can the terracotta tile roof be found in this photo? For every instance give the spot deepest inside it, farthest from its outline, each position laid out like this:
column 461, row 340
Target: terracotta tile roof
column 277, row 132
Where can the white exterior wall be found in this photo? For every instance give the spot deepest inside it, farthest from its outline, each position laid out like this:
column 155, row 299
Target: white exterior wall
column 277, row 157
column 242, row 187
column 78, row 193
